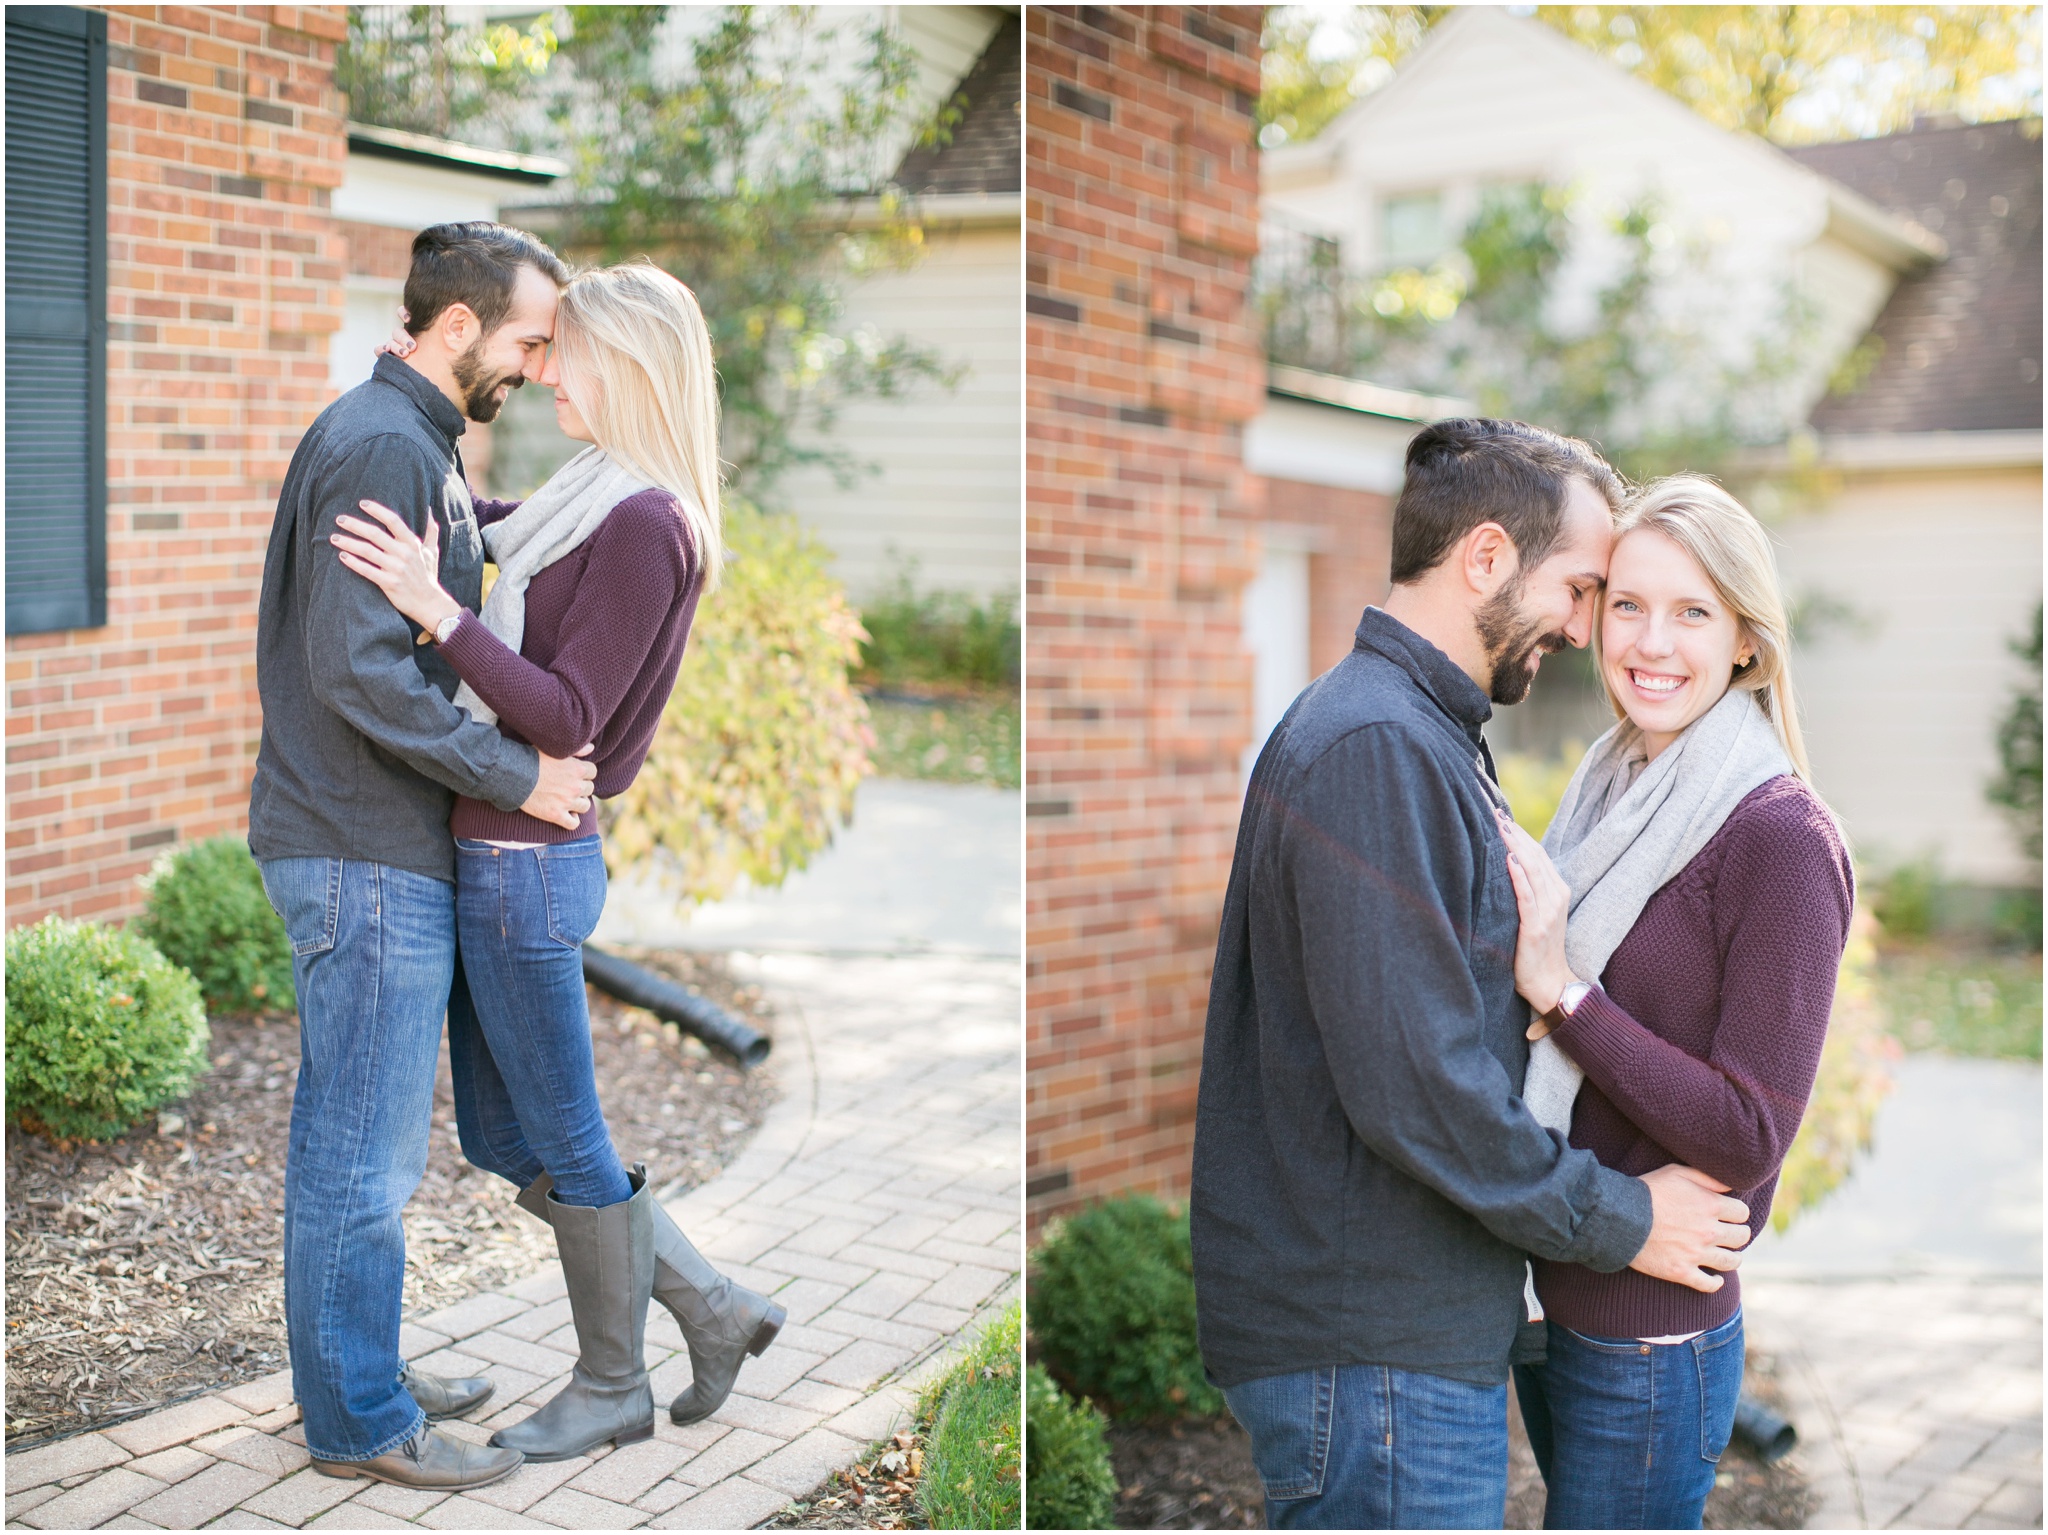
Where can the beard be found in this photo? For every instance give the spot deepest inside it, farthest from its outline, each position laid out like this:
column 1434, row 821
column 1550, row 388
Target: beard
column 479, row 386
column 1513, row 643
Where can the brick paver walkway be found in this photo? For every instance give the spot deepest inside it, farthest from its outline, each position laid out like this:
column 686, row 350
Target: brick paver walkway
column 1918, row 1398
column 878, row 1202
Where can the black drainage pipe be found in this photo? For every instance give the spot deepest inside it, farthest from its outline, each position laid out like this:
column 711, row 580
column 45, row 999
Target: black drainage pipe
column 638, row 987
column 1763, row 1430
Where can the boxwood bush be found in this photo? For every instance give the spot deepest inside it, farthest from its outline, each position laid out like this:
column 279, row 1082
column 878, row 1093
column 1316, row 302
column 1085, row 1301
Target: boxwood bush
column 1070, row 1484
column 101, row 1028
column 1113, row 1309
column 207, row 911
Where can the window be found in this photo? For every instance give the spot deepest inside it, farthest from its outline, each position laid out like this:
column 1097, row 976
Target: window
column 56, row 319
column 1412, row 229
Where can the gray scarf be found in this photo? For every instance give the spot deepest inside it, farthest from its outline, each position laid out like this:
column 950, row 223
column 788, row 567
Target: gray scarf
column 550, row 523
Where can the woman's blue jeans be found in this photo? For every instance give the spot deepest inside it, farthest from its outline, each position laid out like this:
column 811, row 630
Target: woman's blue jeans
column 1370, row 1447
column 1628, row 1434
column 372, row 951
column 519, row 1024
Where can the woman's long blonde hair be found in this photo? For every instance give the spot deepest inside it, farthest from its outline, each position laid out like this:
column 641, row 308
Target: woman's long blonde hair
column 1730, row 545
column 635, row 356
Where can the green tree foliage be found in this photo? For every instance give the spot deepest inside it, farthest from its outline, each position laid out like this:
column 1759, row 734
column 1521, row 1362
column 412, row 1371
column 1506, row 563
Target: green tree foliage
column 1072, row 1485
column 763, row 742
column 2017, row 789
column 1801, row 74
column 101, row 1028
column 1320, row 59
column 206, row 910
column 1113, row 1309
column 1794, row 74
column 410, row 67
column 758, row 176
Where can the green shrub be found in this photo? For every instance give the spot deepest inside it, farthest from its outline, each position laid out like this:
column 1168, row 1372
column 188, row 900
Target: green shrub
column 207, row 911
column 101, row 1028
column 1904, row 900
column 762, row 744
column 945, row 639
column 1071, row 1484
column 1855, row 1074
column 1113, row 1309
column 973, row 1437
column 2016, row 919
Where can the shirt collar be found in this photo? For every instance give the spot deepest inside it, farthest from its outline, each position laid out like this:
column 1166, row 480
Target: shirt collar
column 1446, row 683
column 424, row 393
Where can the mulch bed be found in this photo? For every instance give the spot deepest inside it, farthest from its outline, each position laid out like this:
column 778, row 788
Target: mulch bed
column 150, row 1268
column 878, row 1493
column 1198, row 1475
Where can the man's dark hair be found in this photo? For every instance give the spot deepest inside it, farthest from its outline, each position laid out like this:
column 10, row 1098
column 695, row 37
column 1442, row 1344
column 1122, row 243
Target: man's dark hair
column 1468, row 471
column 475, row 263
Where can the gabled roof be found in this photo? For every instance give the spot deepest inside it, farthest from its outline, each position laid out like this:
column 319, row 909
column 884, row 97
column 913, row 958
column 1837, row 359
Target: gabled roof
column 1961, row 341
column 986, row 150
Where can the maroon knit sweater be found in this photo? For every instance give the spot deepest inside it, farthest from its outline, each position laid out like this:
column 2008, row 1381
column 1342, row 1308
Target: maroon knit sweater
column 1701, row 1042
column 605, row 630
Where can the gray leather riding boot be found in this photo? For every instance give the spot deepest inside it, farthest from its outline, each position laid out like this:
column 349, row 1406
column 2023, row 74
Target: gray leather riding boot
column 442, row 1396
column 432, row 1460
column 608, row 1262
column 722, row 1322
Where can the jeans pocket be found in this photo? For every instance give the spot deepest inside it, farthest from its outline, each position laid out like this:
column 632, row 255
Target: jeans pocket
column 1288, row 1418
column 1718, row 1355
column 573, row 880
column 306, row 895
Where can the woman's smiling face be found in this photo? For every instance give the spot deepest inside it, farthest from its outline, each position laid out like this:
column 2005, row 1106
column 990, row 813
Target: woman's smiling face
column 1668, row 644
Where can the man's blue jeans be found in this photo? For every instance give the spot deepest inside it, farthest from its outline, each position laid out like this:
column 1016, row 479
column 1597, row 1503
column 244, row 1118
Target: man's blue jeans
column 373, row 948
column 1628, row 1434
column 1370, row 1447
column 519, row 1021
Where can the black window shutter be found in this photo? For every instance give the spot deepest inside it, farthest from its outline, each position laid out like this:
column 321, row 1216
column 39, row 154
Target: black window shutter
column 56, row 318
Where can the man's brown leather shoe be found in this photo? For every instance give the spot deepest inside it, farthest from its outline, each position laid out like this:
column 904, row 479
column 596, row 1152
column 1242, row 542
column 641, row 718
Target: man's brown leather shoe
column 442, row 1396
column 432, row 1461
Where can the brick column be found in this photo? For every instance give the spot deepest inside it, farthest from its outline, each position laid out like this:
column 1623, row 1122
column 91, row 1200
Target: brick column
column 225, row 140
column 1142, row 365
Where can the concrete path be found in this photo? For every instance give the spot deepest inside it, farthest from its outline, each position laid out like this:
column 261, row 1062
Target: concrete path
column 1905, row 1312
column 879, row 1202
column 924, row 868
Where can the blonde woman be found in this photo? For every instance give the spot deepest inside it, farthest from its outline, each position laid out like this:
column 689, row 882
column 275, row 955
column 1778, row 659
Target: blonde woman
column 576, row 649
column 1682, row 924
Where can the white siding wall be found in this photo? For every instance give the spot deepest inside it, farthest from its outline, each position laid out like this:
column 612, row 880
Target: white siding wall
column 950, row 490
column 1276, row 617
column 1943, row 569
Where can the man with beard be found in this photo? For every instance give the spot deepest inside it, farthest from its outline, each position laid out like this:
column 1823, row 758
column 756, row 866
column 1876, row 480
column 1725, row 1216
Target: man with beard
column 1367, row 1181
column 361, row 757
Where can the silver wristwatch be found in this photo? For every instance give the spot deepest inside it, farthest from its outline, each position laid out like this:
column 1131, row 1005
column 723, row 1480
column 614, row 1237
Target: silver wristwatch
column 446, row 628
column 1569, row 999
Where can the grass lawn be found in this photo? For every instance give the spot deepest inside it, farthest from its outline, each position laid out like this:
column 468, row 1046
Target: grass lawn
column 973, row 737
column 1960, row 1002
column 973, row 1445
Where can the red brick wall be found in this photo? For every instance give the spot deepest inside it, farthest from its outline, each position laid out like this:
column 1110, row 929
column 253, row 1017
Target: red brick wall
column 1351, row 565
column 1142, row 364
column 224, row 274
